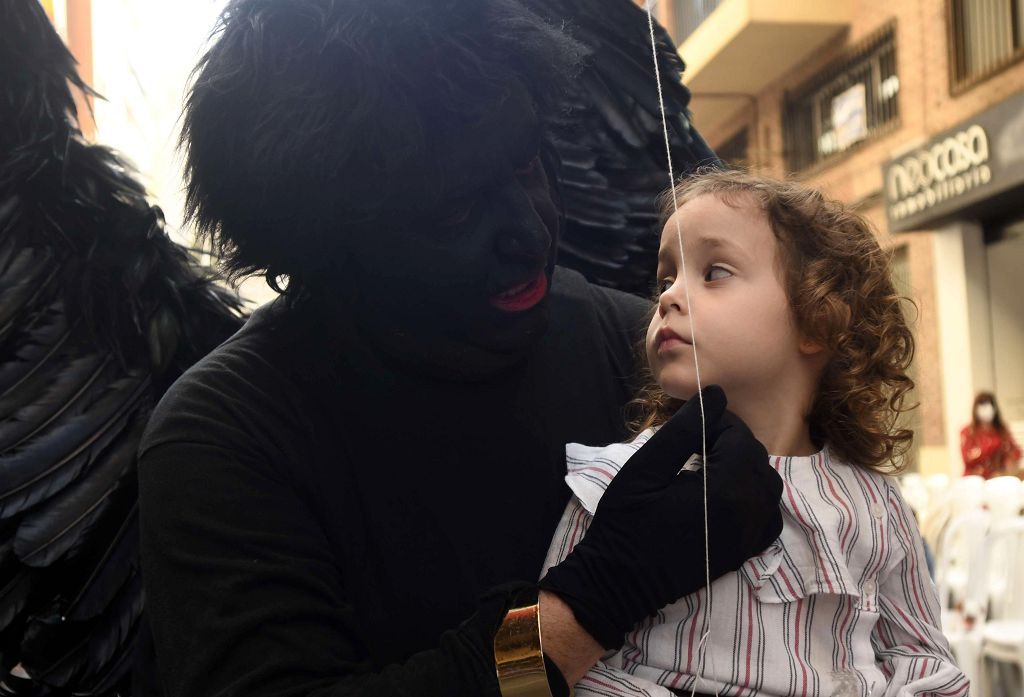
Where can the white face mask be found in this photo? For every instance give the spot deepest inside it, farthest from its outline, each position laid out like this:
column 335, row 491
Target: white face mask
column 985, row 412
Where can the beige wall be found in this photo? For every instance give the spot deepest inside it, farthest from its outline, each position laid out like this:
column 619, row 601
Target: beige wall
column 1006, row 304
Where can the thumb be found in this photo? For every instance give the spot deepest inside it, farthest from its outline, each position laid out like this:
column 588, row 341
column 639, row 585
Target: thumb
column 715, row 402
column 680, row 437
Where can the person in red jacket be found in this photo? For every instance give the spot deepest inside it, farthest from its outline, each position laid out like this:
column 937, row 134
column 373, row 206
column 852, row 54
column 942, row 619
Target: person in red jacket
column 986, row 444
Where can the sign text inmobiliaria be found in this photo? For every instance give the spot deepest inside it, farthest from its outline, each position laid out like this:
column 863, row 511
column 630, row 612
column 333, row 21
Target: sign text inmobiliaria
column 960, row 172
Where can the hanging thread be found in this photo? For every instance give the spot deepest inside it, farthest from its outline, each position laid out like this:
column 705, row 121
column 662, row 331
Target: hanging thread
column 702, row 646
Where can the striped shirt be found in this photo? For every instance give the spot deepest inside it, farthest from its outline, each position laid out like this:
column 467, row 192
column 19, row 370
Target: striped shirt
column 840, row 605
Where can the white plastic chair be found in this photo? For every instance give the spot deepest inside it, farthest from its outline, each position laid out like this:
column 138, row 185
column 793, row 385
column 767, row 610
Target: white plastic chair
column 1001, row 495
column 914, row 491
column 937, row 484
column 967, row 493
column 960, row 568
column 960, row 563
column 961, row 495
column 935, row 516
column 1003, row 632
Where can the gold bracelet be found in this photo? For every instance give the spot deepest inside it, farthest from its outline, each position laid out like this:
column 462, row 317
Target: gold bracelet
column 519, row 654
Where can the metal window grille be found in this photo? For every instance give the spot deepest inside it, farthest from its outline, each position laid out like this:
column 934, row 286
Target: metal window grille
column 866, row 78
column 986, row 36
column 687, row 16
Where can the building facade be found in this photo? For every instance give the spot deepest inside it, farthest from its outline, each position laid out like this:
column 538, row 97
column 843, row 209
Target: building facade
column 73, row 21
column 911, row 111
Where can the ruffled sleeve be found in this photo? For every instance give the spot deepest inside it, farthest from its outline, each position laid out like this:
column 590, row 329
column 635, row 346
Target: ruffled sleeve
column 589, row 471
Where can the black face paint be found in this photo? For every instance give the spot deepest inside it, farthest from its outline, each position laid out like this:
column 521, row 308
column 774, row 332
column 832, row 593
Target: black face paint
column 452, row 280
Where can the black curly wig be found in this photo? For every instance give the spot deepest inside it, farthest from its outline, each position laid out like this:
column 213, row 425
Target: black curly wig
column 307, row 119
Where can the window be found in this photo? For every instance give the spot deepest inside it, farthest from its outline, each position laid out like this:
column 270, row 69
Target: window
column 986, row 36
column 853, row 99
column 687, row 15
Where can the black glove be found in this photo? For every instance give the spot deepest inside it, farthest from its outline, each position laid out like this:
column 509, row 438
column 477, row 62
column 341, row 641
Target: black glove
column 645, row 546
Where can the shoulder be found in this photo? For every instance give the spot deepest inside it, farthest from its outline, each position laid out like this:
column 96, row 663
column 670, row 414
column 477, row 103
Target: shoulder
column 894, row 517
column 585, row 317
column 239, row 391
column 900, row 520
column 613, row 308
column 867, row 493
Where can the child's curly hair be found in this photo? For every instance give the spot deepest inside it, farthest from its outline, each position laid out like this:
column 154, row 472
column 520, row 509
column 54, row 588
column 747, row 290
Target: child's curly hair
column 838, row 282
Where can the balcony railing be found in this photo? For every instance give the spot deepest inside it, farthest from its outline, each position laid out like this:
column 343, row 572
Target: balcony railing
column 688, row 15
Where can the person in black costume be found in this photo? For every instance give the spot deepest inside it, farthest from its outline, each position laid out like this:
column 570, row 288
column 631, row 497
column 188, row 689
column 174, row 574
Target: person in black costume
column 347, row 496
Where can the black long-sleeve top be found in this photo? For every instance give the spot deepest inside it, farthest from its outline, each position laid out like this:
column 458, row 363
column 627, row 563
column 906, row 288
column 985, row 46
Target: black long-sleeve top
column 319, row 526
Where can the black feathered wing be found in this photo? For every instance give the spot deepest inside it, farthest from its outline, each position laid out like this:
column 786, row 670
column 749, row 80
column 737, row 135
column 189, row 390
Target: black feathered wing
column 610, row 141
column 99, row 313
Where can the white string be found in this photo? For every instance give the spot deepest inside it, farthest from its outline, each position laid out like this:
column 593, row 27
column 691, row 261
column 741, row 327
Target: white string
column 705, row 622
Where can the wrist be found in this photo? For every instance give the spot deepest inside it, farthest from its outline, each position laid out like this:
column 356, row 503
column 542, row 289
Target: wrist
column 591, row 605
column 523, row 667
column 566, row 643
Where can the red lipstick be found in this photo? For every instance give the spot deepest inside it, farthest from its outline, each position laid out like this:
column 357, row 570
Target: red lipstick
column 523, row 296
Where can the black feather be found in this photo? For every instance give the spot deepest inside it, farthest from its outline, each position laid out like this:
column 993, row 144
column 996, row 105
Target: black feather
column 69, row 387
column 31, row 276
column 101, row 580
column 15, row 589
column 39, row 469
column 37, row 344
column 57, row 651
column 51, row 532
column 610, row 142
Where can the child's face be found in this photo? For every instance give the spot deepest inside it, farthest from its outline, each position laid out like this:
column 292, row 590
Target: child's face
column 746, row 338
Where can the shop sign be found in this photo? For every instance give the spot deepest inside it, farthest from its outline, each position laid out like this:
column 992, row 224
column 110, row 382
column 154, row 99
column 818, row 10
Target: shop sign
column 951, row 167
column 962, row 166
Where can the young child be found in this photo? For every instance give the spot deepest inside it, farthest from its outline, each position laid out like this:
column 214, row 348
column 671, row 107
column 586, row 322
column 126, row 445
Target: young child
column 796, row 317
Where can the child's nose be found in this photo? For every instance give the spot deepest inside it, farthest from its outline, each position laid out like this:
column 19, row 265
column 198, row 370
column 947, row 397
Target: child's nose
column 672, row 298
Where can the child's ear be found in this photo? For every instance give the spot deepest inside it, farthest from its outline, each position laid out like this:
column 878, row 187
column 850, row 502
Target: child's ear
column 810, row 348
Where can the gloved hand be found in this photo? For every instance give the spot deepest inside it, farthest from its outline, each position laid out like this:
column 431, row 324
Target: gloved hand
column 645, row 546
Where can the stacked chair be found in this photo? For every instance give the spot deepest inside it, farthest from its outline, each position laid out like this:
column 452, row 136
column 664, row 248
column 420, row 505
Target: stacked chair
column 976, row 530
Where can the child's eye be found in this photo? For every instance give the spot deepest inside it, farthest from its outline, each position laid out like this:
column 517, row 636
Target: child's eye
column 716, row 273
column 664, row 284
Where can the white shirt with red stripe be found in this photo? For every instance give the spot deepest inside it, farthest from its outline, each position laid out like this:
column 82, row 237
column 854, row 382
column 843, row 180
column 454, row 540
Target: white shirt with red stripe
column 840, row 605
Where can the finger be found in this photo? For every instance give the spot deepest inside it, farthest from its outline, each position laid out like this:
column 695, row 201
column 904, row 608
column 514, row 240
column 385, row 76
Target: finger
column 772, row 530
column 762, row 471
column 695, row 414
column 714, row 400
column 729, row 422
column 773, row 482
column 734, row 446
column 681, row 436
